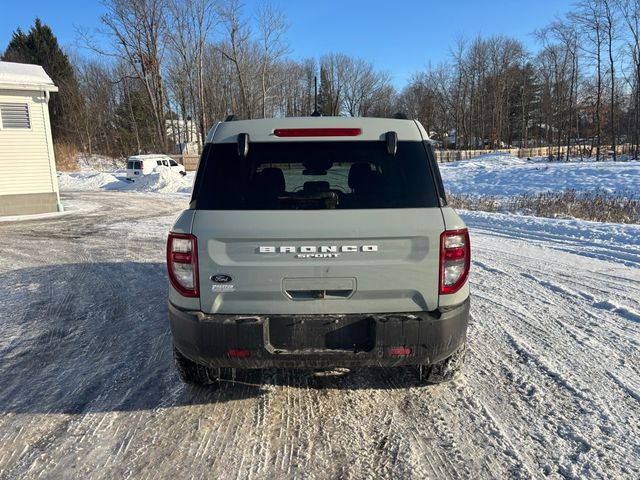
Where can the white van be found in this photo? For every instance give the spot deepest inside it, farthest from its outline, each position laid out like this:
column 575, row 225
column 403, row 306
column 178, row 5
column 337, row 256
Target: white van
column 138, row 165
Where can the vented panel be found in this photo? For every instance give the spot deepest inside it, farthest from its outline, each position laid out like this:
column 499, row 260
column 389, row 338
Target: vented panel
column 15, row 115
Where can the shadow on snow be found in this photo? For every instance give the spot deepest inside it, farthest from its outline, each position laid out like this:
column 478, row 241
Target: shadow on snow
column 94, row 337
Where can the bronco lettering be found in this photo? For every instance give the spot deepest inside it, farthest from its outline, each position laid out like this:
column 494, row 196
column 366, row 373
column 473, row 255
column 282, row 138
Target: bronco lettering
column 323, row 249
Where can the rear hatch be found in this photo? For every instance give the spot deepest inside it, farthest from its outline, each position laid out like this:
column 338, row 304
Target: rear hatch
column 134, row 168
column 318, row 227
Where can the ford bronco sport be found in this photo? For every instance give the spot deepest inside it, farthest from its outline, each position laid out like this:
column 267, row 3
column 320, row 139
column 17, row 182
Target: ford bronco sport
column 318, row 242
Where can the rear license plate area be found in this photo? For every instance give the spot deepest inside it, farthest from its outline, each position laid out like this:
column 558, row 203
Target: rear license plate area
column 330, row 333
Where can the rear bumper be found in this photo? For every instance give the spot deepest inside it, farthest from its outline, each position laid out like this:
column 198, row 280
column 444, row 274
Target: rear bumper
column 317, row 341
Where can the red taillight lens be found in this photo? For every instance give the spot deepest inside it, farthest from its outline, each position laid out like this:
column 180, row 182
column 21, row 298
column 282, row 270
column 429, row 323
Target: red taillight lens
column 455, row 260
column 399, row 351
column 182, row 263
column 239, row 353
column 317, row 132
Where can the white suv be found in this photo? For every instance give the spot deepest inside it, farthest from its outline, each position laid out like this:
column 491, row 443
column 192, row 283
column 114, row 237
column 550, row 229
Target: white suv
column 138, row 165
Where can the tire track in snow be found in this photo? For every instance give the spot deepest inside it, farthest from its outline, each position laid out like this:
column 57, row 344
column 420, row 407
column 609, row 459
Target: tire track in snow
column 509, row 416
column 575, row 243
column 528, row 290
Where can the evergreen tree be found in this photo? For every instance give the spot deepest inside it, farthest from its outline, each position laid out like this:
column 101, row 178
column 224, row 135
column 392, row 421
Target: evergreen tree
column 18, row 51
column 40, row 47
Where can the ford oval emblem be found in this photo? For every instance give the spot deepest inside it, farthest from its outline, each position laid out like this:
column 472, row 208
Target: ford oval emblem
column 221, row 278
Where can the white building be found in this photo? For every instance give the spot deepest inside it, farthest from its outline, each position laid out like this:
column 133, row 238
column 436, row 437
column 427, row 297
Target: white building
column 28, row 181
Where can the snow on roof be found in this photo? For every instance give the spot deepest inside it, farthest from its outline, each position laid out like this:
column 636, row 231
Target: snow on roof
column 21, row 76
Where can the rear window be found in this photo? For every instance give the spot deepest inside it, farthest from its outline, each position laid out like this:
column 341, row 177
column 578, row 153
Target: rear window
column 315, row 175
column 133, row 165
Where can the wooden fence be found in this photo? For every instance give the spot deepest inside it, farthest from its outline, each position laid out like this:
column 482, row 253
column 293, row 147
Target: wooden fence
column 443, row 156
column 190, row 162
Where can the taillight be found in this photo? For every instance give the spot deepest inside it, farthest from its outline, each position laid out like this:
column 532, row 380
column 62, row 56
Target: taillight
column 455, row 259
column 182, row 263
column 399, row 351
column 239, row 353
column 317, row 132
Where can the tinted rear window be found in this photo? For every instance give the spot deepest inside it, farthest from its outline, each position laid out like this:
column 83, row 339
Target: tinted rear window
column 133, row 165
column 315, row 175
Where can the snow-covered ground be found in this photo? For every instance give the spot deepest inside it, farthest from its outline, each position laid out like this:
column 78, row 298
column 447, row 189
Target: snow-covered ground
column 88, row 390
column 503, row 175
column 162, row 180
column 551, row 387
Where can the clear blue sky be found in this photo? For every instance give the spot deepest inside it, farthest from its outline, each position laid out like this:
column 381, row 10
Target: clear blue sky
column 401, row 36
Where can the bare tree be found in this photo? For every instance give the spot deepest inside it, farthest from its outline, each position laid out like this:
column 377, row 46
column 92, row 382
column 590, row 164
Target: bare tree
column 293, row 90
column 236, row 49
column 460, row 93
column 333, row 68
column 221, row 85
column 192, row 22
column 362, row 86
column 589, row 18
column 96, row 89
column 609, row 28
column 566, row 36
column 630, row 10
column 272, row 26
column 138, row 28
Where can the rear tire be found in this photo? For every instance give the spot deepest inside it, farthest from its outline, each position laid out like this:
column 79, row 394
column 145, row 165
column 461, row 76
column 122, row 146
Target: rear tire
column 192, row 372
column 446, row 369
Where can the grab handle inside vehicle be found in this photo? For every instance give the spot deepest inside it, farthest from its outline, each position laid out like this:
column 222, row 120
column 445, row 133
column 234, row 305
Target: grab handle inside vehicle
column 392, row 143
column 243, row 145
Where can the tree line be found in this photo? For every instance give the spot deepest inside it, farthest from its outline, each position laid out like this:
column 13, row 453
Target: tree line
column 166, row 70
column 581, row 89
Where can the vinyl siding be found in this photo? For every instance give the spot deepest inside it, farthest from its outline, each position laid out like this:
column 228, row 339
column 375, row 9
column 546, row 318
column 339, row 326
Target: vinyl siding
column 25, row 154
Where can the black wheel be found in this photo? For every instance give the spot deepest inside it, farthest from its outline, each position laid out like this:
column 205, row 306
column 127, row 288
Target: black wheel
column 191, row 372
column 447, row 368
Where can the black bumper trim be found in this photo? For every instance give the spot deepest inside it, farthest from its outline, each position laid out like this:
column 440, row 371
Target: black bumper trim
column 286, row 341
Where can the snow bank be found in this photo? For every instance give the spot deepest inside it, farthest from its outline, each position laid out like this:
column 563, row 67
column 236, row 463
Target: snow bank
column 504, row 175
column 161, row 180
column 92, row 181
